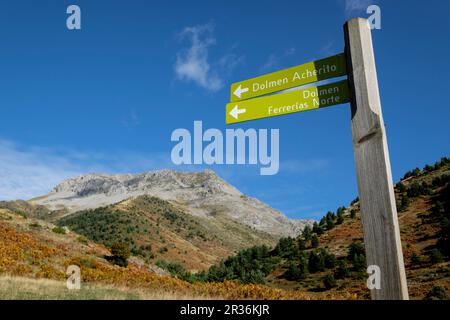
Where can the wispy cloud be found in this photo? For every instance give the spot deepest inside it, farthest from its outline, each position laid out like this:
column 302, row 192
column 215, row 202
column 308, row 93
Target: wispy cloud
column 30, row 172
column 192, row 63
column 274, row 60
column 229, row 62
column 303, row 166
column 26, row 172
column 354, row 6
column 327, row 49
column 131, row 119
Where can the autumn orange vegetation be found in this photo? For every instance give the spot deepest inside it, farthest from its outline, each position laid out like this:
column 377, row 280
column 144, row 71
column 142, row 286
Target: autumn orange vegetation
column 23, row 253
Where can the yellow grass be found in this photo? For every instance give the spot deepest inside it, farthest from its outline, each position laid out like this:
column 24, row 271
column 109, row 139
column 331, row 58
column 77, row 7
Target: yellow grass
column 14, row 288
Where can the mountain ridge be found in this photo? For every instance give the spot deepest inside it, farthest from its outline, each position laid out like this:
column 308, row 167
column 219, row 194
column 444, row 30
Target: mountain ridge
column 202, row 194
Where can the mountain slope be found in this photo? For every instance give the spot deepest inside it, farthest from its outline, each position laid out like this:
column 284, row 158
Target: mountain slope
column 34, row 259
column 202, row 194
column 155, row 229
column 330, row 257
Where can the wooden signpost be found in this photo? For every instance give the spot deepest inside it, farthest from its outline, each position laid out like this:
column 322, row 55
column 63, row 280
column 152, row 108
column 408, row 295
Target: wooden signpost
column 373, row 168
column 375, row 187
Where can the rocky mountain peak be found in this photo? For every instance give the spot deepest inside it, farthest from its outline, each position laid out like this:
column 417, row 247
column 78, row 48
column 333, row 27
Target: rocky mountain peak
column 200, row 193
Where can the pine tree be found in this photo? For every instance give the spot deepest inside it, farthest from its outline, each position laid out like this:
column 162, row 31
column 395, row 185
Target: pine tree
column 340, row 217
column 317, row 229
column 330, row 223
column 307, row 233
column 314, row 241
column 330, row 260
column 301, row 244
column 316, row 262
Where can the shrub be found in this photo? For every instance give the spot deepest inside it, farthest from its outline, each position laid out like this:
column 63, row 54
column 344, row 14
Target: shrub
column 444, row 237
column 401, row 187
column 441, row 180
column 416, row 189
column 316, row 261
column 329, row 281
column 415, row 259
column 438, row 208
column 436, row 256
column 82, row 239
column 171, row 216
column 357, row 256
column 120, row 254
column 248, row 266
column 295, row 272
column 59, row 230
column 404, row 203
column 35, row 225
column 163, row 250
column 356, row 248
column 176, row 270
column 359, row 262
column 286, row 247
column 353, row 213
column 342, row 270
column 437, row 293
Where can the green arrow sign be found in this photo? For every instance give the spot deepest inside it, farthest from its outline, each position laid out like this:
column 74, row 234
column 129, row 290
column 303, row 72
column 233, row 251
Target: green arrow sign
column 288, row 102
column 310, row 72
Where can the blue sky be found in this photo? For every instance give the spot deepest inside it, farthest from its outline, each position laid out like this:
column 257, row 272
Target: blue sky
column 107, row 98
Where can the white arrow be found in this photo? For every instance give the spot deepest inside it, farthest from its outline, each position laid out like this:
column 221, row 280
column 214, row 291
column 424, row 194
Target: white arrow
column 239, row 90
column 235, row 112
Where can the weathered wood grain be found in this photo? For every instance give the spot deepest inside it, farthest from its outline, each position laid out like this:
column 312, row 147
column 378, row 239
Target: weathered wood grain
column 375, row 186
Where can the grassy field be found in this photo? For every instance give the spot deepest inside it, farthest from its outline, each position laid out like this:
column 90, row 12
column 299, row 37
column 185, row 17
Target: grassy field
column 20, row 288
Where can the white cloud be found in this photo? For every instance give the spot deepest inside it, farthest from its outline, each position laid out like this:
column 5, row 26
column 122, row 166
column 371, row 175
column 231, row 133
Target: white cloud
column 192, row 63
column 27, row 172
column 352, row 6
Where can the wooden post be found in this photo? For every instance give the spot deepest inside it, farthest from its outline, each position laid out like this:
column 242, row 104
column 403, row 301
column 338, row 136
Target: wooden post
column 373, row 169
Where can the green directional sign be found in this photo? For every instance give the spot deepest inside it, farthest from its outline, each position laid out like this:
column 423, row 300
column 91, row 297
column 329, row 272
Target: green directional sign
column 288, row 102
column 310, row 72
